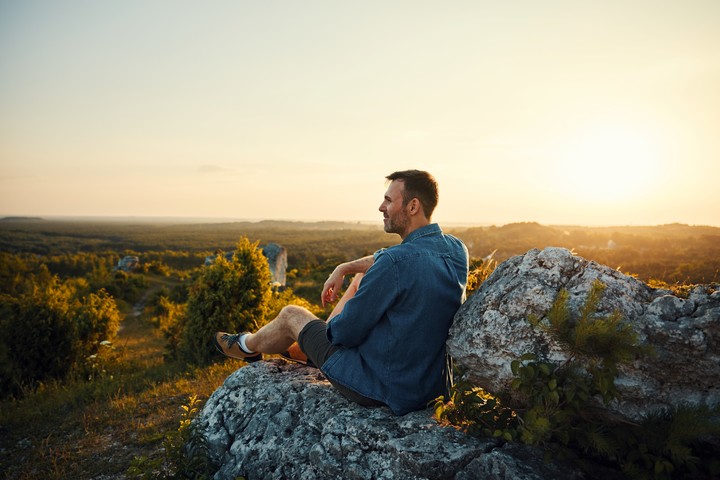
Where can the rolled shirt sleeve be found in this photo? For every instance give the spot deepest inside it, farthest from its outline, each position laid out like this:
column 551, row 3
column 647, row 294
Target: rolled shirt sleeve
column 377, row 293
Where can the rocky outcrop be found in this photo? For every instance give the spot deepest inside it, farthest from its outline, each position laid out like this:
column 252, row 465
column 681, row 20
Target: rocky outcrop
column 277, row 261
column 128, row 263
column 491, row 329
column 277, row 420
column 274, row 420
column 276, row 256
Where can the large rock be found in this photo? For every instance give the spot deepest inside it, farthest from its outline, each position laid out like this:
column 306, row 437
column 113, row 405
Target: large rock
column 276, row 420
column 277, row 261
column 491, row 329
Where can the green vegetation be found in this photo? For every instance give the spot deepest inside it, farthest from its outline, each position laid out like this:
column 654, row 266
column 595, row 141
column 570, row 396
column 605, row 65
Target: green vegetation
column 185, row 452
column 96, row 363
column 227, row 296
column 561, row 406
column 51, row 330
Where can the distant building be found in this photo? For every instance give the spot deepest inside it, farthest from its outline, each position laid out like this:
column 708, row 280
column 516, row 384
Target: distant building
column 277, row 261
column 128, row 263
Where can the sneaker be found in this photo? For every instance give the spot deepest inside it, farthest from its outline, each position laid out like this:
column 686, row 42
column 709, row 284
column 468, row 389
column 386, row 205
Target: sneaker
column 294, row 354
column 227, row 344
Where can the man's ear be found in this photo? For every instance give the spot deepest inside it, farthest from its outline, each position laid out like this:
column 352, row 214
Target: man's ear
column 414, row 206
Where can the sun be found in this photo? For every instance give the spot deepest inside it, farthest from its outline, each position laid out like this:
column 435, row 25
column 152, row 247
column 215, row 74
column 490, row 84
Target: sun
column 607, row 164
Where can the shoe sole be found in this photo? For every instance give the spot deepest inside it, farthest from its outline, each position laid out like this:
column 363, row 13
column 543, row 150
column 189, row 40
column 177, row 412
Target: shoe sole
column 307, row 363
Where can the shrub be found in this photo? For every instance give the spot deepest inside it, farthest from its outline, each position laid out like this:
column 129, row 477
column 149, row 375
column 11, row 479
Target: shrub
column 168, row 318
column 48, row 333
column 98, row 320
column 126, row 286
column 40, row 336
column 229, row 295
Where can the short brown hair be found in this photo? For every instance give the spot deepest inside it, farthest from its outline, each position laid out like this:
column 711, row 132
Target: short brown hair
column 420, row 185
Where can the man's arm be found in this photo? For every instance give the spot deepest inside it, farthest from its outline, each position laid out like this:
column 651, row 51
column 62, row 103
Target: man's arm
column 334, row 282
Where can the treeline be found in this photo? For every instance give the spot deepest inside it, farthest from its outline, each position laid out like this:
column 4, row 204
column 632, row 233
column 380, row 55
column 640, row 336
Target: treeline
column 673, row 253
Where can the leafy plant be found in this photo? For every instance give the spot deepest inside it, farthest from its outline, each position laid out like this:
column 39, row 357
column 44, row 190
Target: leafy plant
column 476, row 412
column 681, row 442
column 185, row 452
column 98, row 320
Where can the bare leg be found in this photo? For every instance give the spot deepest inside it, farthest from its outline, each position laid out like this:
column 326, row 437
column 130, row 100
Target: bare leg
column 281, row 332
column 349, row 293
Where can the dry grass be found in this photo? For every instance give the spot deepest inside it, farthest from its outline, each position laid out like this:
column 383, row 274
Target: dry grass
column 94, row 429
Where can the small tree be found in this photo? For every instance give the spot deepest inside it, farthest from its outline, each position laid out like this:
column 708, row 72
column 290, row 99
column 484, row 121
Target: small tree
column 168, row 317
column 229, row 295
column 40, row 337
column 98, row 319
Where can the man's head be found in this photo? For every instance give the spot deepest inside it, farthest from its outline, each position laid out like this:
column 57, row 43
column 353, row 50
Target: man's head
column 420, row 185
column 409, row 201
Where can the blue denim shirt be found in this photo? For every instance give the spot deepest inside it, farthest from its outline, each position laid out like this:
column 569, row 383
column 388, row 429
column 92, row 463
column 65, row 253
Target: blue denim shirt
column 392, row 333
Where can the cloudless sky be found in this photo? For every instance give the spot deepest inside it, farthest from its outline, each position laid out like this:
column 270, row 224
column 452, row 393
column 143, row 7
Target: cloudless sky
column 555, row 111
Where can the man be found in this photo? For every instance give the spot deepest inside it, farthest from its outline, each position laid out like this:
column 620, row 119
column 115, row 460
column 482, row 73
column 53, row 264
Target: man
column 384, row 343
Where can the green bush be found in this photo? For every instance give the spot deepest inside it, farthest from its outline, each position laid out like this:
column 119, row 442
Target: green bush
column 48, row 333
column 168, row 317
column 40, row 337
column 229, row 295
column 98, row 320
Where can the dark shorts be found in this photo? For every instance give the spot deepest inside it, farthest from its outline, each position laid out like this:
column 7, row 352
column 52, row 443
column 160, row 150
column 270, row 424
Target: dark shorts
column 313, row 340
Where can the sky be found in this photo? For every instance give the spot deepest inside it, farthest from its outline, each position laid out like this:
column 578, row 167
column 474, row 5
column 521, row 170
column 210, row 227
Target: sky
column 562, row 112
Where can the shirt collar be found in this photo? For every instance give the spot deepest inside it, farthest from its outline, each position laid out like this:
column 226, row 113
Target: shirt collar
column 430, row 229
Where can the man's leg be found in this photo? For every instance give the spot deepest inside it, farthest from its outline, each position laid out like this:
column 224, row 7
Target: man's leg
column 281, row 332
column 275, row 337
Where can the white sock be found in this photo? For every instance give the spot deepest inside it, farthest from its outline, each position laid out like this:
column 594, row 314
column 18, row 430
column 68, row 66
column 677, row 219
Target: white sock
column 243, row 347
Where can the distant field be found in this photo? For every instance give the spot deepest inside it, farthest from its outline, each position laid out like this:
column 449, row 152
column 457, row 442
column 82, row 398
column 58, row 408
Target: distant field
column 674, row 253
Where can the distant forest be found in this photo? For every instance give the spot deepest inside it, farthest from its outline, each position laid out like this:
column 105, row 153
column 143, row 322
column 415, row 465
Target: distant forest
column 674, row 253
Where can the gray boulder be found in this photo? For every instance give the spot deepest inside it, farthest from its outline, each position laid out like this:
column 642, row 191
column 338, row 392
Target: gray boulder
column 491, row 329
column 277, row 420
column 277, row 261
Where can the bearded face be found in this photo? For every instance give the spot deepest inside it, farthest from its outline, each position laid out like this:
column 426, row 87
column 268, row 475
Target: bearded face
column 395, row 215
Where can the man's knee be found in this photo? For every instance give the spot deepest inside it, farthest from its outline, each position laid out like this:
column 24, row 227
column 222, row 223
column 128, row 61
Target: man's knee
column 296, row 317
column 296, row 311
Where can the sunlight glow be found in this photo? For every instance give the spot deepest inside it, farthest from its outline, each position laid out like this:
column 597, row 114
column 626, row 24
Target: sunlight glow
column 607, row 164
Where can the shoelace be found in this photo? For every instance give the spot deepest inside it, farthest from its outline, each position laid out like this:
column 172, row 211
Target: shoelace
column 230, row 339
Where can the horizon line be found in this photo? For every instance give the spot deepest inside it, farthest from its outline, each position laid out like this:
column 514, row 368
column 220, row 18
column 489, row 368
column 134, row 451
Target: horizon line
column 215, row 219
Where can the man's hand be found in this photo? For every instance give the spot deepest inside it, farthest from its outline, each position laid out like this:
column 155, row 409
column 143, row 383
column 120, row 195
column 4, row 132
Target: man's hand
column 334, row 283
column 332, row 286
